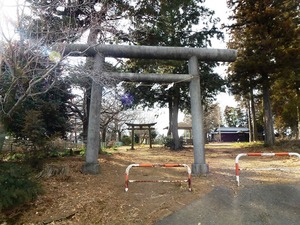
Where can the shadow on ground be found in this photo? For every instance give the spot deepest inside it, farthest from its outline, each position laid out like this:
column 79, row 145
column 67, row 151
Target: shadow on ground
column 258, row 204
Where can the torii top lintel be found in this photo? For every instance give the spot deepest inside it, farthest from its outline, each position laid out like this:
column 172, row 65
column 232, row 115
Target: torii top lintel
column 140, row 124
column 148, row 52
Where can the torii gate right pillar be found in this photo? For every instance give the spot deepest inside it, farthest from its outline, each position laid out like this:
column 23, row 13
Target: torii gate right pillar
column 199, row 166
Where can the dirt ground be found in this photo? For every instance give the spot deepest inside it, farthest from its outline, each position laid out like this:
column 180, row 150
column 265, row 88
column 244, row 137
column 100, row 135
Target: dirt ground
column 101, row 199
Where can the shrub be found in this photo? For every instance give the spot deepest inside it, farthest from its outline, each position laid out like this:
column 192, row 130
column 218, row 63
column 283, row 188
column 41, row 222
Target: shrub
column 126, row 140
column 2, row 139
column 82, row 151
column 17, row 185
column 169, row 142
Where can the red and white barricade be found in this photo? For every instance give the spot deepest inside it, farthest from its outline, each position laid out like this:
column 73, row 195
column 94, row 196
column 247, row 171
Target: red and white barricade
column 188, row 180
column 258, row 154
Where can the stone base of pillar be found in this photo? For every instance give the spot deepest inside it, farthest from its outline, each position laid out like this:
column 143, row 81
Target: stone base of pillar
column 199, row 169
column 91, row 168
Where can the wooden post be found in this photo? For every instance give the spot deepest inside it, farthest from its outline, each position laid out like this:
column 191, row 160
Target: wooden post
column 132, row 138
column 150, row 141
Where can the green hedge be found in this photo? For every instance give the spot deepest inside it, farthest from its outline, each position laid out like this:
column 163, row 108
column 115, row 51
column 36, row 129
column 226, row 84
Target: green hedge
column 17, row 185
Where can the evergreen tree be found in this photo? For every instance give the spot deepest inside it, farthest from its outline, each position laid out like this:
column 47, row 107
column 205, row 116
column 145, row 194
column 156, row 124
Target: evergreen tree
column 235, row 117
column 265, row 33
column 66, row 21
column 43, row 117
column 172, row 23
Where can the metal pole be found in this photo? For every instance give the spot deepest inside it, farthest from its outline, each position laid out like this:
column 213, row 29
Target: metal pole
column 91, row 165
column 199, row 166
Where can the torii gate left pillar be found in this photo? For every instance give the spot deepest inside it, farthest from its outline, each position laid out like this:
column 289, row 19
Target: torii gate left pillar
column 91, row 165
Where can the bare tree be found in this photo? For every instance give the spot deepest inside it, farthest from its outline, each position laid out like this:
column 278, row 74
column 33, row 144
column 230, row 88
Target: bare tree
column 26, row 71
column 212, row 118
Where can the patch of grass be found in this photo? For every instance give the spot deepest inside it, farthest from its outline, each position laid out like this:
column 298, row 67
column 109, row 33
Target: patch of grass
column 14, row 156
column 104, row 152
column 288, row 145
column 258, row 144
column 280, row 146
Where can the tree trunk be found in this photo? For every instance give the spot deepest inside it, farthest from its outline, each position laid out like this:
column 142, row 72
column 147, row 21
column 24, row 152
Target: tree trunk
column 85, row 121
column 298, row 124
column 119, row 135
column 175, row 110
column 268, row 117
column 103, row 134
column 113, row 135
column 170, row 118
column 253, row 116
column 298, row 114
column 2, row 137
column 250, row 124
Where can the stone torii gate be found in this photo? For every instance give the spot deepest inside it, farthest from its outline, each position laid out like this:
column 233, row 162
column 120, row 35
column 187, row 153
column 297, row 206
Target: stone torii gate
column 99, row 52
column 140, row 126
